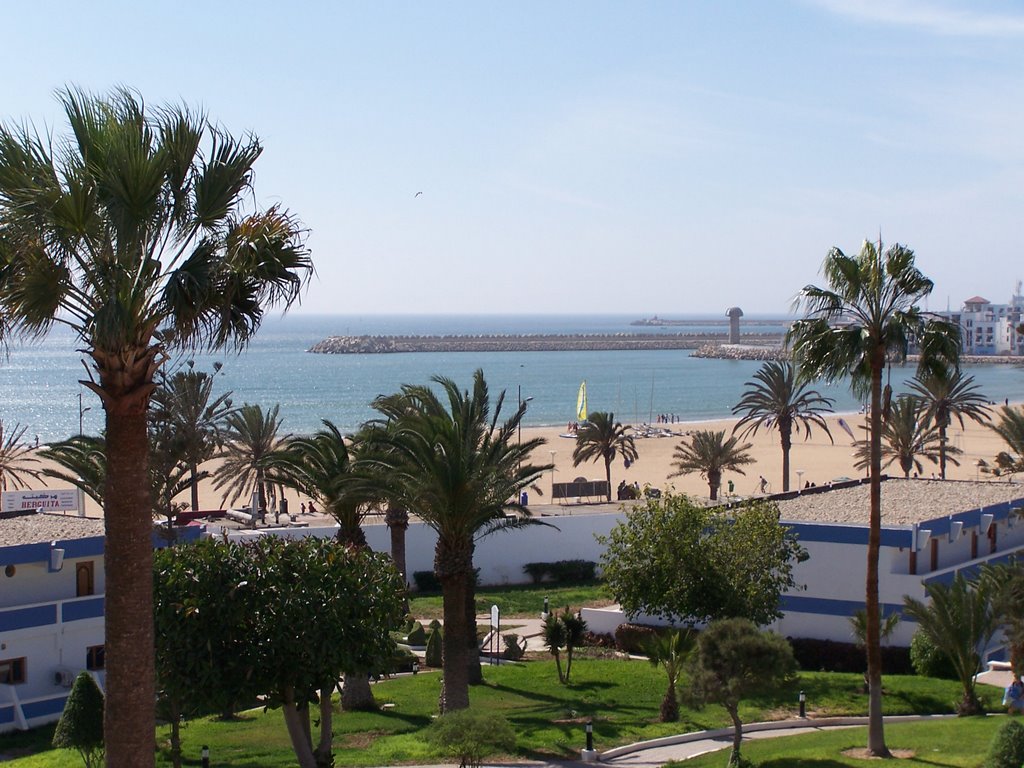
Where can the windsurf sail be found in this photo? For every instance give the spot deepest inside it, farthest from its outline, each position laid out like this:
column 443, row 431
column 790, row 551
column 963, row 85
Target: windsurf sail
column 581, row 403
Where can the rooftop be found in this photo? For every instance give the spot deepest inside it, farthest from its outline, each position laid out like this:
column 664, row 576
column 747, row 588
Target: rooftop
column 44, row 527
column 904, row 502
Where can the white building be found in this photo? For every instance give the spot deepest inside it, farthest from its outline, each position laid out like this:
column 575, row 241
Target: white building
column 51, row 612
column 990, row 329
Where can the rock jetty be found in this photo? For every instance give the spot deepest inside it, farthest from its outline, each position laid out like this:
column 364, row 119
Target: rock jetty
column 740, row 352
column 361, row 345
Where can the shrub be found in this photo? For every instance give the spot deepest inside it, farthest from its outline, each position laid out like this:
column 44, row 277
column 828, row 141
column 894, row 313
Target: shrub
column 433, row 654
column 1007, row 748
column 634, row 638
column 833, row 656
column 514, row 650
column 81, row 725
column 536, row 571
column 417, row 635
column 426, row 581
column 561, row 571
column 928, row 660
column 472, row 735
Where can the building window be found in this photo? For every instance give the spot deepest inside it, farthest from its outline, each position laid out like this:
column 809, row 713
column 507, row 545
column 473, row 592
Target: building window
column 95, row 658
column 12, row 671
column 84, row 584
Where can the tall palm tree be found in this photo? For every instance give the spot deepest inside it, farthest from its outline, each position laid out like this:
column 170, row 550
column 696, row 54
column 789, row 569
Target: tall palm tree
column 1010, row 427
column 251, row 438
column 601, row 437
column 778, row 398
column 907, row 437
column 451, row 461
column 711, row 454
column 16, row 459
column 864, row 319
column 132, row 230
column 949, row 394
column 184, row 401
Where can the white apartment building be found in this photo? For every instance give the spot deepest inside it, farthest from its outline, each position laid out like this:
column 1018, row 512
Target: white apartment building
column 990, row 329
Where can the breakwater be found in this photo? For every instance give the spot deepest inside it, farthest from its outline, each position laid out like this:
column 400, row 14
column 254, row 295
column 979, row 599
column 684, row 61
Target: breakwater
column 741, row 352
column 361, row 345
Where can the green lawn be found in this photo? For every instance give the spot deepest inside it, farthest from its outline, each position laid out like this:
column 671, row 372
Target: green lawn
column 521, row 600
column 962, row 742
column 621, row 696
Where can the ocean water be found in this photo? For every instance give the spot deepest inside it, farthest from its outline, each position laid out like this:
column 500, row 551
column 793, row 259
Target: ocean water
column 39, row 382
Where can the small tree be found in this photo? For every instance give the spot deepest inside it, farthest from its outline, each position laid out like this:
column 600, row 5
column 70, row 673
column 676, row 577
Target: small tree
column 563, row 631
column 670, row 650
column 684, row 563
column 81, row 725
column 734, row 659
column 472, row 735
column 960, row 621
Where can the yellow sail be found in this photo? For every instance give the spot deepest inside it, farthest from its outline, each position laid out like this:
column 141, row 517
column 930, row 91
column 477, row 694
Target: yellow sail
column 581, row 403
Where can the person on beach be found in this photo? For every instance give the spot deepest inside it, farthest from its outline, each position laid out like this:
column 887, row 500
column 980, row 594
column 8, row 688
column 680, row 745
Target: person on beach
column 302, row 508
column 1013, row 696
column 764, row 484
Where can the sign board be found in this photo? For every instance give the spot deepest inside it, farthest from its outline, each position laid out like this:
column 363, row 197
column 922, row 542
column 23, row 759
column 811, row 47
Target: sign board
column 494, row 617
column 58, row 500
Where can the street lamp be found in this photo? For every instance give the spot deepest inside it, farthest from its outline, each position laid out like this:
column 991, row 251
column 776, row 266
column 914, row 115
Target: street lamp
column 552, row 474
column 81, row 414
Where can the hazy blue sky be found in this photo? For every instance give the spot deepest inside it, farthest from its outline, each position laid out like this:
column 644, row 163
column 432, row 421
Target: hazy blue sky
column 643, row 157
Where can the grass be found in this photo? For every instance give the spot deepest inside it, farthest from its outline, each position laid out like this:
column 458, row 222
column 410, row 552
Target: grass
column 621, row 696
column 963, row 742
column 520, row 600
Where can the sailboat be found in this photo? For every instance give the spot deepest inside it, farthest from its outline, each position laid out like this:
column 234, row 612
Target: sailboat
column 581, row 411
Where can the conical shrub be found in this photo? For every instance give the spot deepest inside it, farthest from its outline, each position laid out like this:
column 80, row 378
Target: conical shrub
column 433, row 653
column 81, row 725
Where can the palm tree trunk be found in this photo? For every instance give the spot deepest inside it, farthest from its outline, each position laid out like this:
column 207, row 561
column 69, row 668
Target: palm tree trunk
column 670, row 704
column 356, row 695
column 872, row 640
column 397, row 520
column 608, row 475
column 194, row 486
column 786, row 436
column 942, row 451
column 714, row 481
column 128, row 563
column 474, row 672
column 453, row 563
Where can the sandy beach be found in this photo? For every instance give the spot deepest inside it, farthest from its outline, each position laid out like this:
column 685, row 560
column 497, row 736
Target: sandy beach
column 815, row 460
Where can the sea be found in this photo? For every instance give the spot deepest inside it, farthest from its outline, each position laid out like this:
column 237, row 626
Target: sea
column 39, row 381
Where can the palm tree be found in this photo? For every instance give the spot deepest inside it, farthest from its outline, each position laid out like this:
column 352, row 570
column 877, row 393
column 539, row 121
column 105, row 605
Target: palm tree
column 132, row 231
column 1005, row 583
column 1011, row 428
column 864, row 319
column 84, row 462
column 670, row 650
column 711, row 454
column 16, row 459
column 447, row 459
column 907, row 437
column 778, row 398
column 250, row 441
column 601, row 437
column 183, row 402
column 947, row 394
column 960, row 621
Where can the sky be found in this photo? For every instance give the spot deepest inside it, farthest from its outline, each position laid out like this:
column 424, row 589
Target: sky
column 666, row 158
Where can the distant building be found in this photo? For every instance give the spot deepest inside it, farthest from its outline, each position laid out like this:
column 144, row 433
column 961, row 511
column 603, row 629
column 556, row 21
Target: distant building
column 990, row 329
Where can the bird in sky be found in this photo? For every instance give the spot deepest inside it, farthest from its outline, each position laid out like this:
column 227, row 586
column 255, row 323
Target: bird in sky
column 417, row 194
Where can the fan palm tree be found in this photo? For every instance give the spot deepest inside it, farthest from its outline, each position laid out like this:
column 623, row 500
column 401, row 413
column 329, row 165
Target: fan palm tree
column 778, row 398
column 131, row 230
column 1010, row 427
column 907, row 437
column 448, row 459
column 711, row 454
column 948, row 394
column 251, row 439
column 16, row 459
column 601, row 437
column 670, row 650
column 184, row 402
column 864, row 319
column 960, row 621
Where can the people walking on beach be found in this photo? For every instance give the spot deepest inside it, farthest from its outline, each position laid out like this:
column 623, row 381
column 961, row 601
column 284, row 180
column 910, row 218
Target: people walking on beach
column 312, row 509
column 302, row 508
column 764, row 484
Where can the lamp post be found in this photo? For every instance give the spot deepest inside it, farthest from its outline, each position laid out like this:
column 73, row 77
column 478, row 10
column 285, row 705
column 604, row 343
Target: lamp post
column 552, row 474
column 799, row 480
column 81, row 414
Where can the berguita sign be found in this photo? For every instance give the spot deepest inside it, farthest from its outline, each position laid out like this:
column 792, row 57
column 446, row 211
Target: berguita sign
column 58, row 500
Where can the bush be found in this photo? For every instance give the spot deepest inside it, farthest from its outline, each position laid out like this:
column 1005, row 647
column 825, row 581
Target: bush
column 472, row 735
column 561, row 571
column 426, row 581
column 634, row 638
column 433, row 654
column 831, row 656
column 81, row 725
column 1007, row 748
column 928, row 660
column 417, row 635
